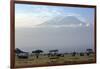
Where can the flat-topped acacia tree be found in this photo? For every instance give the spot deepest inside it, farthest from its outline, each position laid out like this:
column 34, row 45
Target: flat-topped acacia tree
column 37, row 53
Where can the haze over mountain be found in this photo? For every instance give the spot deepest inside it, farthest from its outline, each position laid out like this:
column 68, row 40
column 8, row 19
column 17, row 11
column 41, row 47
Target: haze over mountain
column 65, row 39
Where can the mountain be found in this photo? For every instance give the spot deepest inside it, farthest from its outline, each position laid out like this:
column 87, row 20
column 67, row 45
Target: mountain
column 62, row 20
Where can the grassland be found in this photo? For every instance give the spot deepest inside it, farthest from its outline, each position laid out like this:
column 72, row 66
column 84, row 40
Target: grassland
column 45, row 60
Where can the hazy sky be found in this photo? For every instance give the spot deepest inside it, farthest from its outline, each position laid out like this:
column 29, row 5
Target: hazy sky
column 26, row 14
column 29, row 37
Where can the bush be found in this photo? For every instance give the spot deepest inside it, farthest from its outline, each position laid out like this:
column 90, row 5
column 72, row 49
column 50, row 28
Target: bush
column 81, row 54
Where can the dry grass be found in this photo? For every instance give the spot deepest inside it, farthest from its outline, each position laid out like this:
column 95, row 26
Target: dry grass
column 44, row 60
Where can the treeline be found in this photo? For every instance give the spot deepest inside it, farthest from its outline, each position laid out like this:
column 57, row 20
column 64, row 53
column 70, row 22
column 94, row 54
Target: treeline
column 51, row 53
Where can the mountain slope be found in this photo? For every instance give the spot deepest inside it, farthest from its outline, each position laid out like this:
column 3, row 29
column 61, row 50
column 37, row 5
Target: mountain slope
column 62, row 20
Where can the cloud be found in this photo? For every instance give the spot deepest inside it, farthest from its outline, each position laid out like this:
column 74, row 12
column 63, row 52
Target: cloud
column 29, row 20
